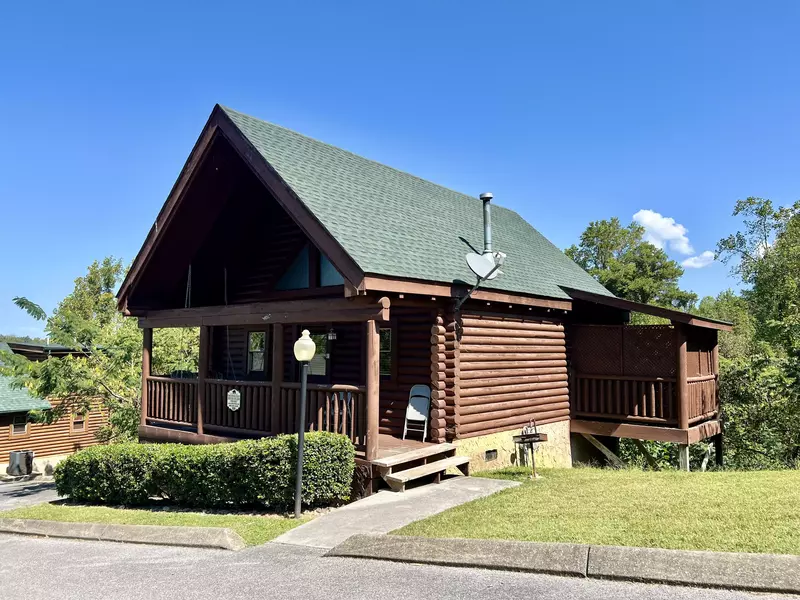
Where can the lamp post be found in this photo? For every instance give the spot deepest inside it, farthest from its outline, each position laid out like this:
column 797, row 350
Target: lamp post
column 304, row 349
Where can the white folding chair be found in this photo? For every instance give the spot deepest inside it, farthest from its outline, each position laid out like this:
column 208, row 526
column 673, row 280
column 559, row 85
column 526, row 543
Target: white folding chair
column 419, row 407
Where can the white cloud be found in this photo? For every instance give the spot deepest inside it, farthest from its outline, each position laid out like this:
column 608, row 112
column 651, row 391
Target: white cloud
column 699, row 261
column 663, row 231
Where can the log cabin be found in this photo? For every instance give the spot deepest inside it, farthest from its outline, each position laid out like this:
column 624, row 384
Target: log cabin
column 267, row 232
column 49, row 442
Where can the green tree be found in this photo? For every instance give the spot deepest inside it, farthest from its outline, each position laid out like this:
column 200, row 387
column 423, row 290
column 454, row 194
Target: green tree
column 759, row 388
column 731, row 307
column 766, row 257
column 107, row 362
column 620, row 259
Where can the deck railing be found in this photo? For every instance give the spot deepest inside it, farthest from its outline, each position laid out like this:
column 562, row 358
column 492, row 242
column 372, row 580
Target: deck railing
column 649, row 400
column 702, row 398
column 335, row 408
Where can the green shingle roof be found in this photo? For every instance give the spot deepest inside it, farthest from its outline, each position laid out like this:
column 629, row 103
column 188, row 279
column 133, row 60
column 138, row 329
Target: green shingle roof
column 15, row 400
column 395, row 224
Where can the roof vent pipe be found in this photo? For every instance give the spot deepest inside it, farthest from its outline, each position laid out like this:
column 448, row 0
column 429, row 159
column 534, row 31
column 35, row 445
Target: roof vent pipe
column 486, row 197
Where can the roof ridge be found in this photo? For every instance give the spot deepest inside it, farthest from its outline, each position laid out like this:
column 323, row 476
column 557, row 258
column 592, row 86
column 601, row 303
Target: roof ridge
column 361, row 157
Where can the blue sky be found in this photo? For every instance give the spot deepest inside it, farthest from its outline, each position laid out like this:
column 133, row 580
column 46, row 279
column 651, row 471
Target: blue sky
column 567, row 111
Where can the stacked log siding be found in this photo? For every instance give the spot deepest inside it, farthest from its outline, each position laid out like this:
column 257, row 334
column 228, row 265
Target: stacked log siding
column 444, row 377
column 511, row 369
column 51, row 440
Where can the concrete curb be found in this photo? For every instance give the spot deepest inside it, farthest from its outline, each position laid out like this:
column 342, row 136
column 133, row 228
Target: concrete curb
column 193, row 537
column 555, row 559
column 729, row 570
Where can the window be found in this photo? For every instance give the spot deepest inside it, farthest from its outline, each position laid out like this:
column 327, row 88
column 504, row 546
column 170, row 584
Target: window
column 297, row 276
column 386, row 351
column 319, row 364
column 19, row 425
column 79, row 422
column 256, row 349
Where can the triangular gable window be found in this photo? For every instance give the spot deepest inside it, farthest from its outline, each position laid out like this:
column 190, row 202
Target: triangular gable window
column 296, row 277
column 300, row 274
column 328, row 275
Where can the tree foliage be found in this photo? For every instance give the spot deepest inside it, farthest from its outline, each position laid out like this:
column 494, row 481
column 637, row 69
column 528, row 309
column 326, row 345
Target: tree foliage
column 106, row 365
column 620, row 259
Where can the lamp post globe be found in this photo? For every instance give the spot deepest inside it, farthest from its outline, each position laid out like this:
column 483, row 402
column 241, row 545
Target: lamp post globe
column 304, row 347
column 304, row 350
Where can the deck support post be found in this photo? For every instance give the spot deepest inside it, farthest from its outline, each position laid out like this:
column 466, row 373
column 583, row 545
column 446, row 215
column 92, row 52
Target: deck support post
column 202, row 373
column 683, row 457
column 681, row 376
column 147, row 355
column 277, row 376
column 373, row 388
column 718, row 450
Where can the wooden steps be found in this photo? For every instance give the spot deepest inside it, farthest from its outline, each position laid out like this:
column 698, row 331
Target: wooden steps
column 399, row 469
column 412, row 455
column 397, row 481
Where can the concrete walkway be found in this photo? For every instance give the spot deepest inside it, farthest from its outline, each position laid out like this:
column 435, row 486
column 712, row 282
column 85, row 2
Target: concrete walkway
column 386, row 511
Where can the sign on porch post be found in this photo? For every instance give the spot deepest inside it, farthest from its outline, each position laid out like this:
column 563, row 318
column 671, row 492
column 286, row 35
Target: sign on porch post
column 234, row 399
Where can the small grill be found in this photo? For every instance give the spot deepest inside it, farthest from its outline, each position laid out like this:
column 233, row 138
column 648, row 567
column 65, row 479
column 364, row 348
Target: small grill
column 525, row 442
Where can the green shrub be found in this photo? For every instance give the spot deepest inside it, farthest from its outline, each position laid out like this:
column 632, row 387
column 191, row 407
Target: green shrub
column 115, row 474
column 250, row 473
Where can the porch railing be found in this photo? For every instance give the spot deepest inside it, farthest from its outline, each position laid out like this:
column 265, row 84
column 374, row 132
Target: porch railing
column 172, row 400
column 335, row 408
column 651, row 400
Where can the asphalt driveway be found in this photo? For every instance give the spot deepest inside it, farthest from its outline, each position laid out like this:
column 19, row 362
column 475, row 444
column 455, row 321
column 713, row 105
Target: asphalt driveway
column 26, row 493
column 109, row 571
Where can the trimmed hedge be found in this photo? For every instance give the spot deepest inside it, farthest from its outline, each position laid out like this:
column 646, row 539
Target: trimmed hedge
column 250, row 473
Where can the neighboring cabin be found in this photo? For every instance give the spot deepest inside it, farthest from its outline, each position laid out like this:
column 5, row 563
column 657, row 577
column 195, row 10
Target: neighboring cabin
column 267, row 232
column 51, row 442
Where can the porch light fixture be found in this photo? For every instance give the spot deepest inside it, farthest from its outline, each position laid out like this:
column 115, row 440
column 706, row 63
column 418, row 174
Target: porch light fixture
column 304, row 350
column 331, row 334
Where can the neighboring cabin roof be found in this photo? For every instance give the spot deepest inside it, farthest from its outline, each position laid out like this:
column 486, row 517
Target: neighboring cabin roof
column 17, row 400
column 394, row 224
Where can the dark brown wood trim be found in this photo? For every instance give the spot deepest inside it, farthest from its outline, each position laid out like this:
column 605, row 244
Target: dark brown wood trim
column 665, row 313
column 202, row 373
column 373, row 378
column 682, row 387
column 288, row 199
column 331, row 310
column 167, row 211
column 164, row 434
column 220, row 124
column 407, row 286
column 147, row 353
column 647, row 432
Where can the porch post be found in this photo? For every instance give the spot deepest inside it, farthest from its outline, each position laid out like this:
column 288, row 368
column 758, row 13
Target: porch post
column 202, row 373
column 373, row 388
column 147, row 352
column 680, row 374
column 277, row 377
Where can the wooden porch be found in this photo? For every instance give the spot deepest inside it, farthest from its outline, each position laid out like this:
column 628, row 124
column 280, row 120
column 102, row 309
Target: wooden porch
column 647, row 382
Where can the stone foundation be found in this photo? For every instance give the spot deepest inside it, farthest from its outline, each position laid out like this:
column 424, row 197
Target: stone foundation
column 554, row 453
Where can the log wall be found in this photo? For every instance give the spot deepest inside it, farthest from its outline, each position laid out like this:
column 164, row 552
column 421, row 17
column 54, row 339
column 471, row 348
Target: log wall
column 444, row 377
column 411, row 328
column 510, row 369
column 51, row 440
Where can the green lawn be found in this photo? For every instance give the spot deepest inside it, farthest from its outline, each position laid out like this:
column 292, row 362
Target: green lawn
column 254, row 529
column 723, row 511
